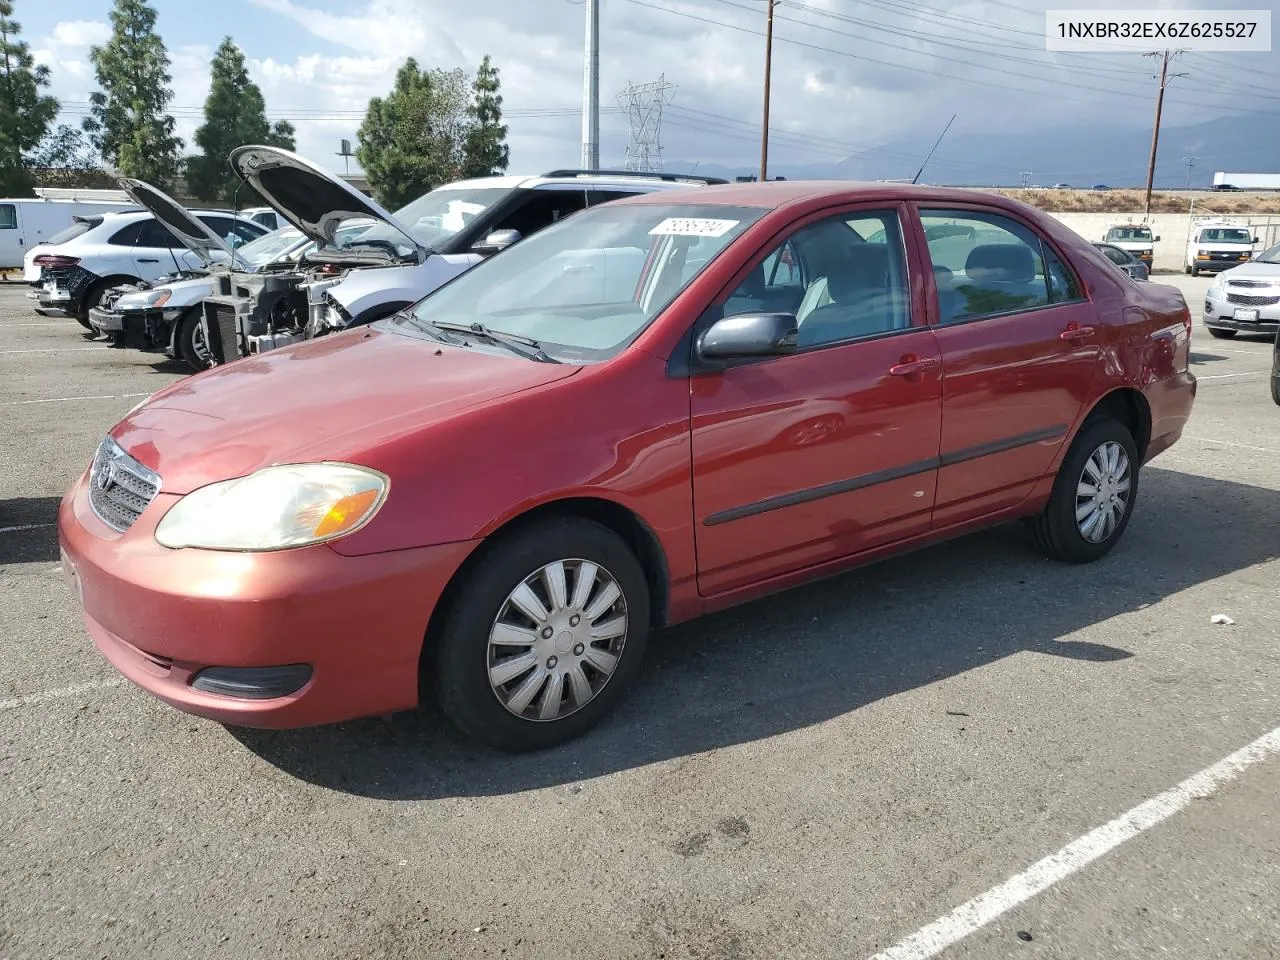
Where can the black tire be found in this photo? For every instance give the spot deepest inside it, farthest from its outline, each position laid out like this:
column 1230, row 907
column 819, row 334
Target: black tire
column 1055, row 529
column 1186, row 268
column 460, row 661
column 184, row 341
column 92, row 299
column 1219, row 334
column 1195, row 270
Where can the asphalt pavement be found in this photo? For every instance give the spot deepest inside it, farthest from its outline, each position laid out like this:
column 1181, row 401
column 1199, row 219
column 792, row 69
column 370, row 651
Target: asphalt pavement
column 928, row 757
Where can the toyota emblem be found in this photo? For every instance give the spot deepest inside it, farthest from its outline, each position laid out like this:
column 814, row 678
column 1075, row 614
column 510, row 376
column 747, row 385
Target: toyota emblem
column 104, row 477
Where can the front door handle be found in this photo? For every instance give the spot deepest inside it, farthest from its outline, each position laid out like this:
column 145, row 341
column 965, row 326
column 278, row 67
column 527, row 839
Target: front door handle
column 1076, row 333
column 148, row 260
column 912, row 366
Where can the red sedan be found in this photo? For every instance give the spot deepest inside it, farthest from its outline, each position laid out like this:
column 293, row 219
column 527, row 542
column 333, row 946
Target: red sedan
column 656, row 408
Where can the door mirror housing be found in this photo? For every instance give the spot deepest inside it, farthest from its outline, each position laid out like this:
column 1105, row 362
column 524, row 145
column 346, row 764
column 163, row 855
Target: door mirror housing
column 1157, row 240
column 1256, row 240
column 750, row 335
column 497, row 241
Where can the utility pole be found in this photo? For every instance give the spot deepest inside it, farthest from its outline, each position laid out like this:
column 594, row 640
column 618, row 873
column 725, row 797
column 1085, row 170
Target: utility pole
column 1165, row 56
column 591, row 90
column 1190, row 162
column 768, row 76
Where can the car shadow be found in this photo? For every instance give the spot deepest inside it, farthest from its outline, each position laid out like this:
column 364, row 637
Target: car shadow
column 825, row 650
column 1205, row 357
column 36, row 536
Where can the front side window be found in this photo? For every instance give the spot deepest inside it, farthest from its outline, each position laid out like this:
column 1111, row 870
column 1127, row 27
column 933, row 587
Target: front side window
column 541, row 209
column 153, row 233
column 843, row 278
column 586, row 287
column 985, row 264
column 8, row 216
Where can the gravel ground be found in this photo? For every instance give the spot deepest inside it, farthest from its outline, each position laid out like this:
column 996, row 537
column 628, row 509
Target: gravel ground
column 817, row 775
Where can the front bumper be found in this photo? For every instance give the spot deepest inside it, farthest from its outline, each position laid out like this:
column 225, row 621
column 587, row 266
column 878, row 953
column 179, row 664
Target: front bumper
column 1220, row 312
column 1220, row 261
column 161, row 616
column 105, row 321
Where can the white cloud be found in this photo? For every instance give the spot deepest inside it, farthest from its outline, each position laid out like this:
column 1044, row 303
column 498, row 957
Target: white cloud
column 81, row 33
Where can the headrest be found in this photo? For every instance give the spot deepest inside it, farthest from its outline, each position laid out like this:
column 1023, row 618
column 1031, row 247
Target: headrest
column 865, row 269
column 1001, row 263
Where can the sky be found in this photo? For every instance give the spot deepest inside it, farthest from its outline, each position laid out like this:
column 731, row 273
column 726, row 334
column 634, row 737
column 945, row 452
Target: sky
column 850, row 77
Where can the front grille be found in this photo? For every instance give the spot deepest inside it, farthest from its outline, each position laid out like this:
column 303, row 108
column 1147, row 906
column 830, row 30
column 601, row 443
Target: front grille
column 120, row 488
column 1245, row 300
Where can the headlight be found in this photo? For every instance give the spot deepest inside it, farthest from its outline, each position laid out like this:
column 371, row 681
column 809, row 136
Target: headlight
column 276, row 508
column 158, row 298
column 1219, row 282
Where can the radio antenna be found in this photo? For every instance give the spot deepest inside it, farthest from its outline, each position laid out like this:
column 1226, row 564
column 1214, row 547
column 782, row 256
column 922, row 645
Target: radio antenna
column 935, row 147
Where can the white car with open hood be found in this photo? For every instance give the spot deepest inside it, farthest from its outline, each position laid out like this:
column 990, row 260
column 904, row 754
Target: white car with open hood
column 400, row 259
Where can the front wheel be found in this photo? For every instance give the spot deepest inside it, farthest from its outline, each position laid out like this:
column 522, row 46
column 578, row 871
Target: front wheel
column 1275, row 370
column 1195, row 270
column 190, row 344
column 1093, row 494
column 543, row 637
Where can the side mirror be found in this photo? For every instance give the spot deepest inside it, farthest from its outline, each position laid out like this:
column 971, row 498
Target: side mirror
column 496, row 241
column 1157, row 240
column 750, row 335
column 1256, row 240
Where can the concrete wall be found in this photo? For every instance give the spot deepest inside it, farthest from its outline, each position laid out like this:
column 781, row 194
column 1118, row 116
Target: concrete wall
column 1171, row 228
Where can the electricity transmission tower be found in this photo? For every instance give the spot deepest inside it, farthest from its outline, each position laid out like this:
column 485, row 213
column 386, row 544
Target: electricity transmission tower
column 1190, row 162
column 643, row 103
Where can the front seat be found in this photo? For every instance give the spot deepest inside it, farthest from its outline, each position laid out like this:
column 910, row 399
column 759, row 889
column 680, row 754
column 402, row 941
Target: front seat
column 999, row 277
column 861, row 303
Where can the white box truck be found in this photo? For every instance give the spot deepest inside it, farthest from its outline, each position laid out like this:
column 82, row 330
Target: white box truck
column 25, row 223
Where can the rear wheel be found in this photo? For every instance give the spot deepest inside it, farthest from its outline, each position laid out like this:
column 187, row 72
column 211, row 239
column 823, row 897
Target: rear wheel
column 1221, row 334
column 543, row 637
column 1093, row 494
column 189, row 342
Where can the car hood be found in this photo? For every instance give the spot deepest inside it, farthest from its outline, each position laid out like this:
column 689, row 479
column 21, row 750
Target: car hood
column 1254, row 270
column 313, row 200
column 198, row 238
column 333, row 398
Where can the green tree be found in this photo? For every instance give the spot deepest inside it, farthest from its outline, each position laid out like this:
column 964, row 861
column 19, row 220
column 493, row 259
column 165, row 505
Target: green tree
column 129, row 123
column 414, row 139
column 65, row 158
column 25, row 113
column 234, row 115
column 486, row 145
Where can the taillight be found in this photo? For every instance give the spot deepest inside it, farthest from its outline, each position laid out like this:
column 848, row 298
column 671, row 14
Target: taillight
column 55, row 260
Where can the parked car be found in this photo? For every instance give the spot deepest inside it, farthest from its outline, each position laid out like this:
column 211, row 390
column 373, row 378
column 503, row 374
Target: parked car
column 265, row 216
column 1100, row 187
column 1125, row 260
column 125, row 248
column 490, row 499
column 1245, row 298
column 1135, row 238
column 34, row 221
column 1275, row 370
column 1215, row 244
column 408, row 254
column 31, row 270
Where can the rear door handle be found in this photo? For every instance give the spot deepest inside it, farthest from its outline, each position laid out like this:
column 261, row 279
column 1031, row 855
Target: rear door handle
column 1076, row 333
column 911, row 366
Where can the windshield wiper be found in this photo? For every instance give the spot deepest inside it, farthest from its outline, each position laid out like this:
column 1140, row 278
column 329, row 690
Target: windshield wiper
column 521, row 346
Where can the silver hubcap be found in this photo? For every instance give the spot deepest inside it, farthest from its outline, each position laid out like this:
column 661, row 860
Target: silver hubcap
column 199, row 347
column 557, row 640
column 1102, row 493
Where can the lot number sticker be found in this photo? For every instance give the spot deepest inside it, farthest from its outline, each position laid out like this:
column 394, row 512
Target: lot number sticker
column 692, row 227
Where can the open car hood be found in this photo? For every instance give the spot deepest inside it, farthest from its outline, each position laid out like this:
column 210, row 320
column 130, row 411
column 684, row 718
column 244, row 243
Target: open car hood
column 198, row 238
column 313, row 200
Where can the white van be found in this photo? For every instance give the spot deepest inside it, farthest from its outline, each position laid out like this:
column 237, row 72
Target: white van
column 1215, row 245
column 25, row 223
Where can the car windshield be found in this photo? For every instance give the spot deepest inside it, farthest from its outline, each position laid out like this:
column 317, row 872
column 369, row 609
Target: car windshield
column 434, row 218
column 269, row 247
column 1128, row 234
column 1225, row 235
column 73, row 231
column 1270, row 256
column 587, row 286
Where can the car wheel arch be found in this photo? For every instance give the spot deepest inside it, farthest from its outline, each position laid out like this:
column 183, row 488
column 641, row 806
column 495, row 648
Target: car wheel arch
column 626, row 523
column 1128, row 406
column 103, row 285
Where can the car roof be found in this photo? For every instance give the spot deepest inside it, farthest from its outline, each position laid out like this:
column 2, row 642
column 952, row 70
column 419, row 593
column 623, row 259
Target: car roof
column 517, row 182
column 774, row 194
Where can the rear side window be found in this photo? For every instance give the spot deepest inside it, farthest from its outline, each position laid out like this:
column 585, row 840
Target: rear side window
column 75, row 230
column 8, row 216
column 145, row 233
column 986, row 265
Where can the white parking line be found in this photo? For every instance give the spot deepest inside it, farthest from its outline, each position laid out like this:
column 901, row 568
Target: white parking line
column 982, row 909
column 1224, row 376
column 34, row 698
column 26, row 526
column 101, row 396
column 1229, row 443
column 46, row 323
column 51, row 350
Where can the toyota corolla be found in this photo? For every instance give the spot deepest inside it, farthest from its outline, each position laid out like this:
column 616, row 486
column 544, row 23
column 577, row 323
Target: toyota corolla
column 654, row 409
